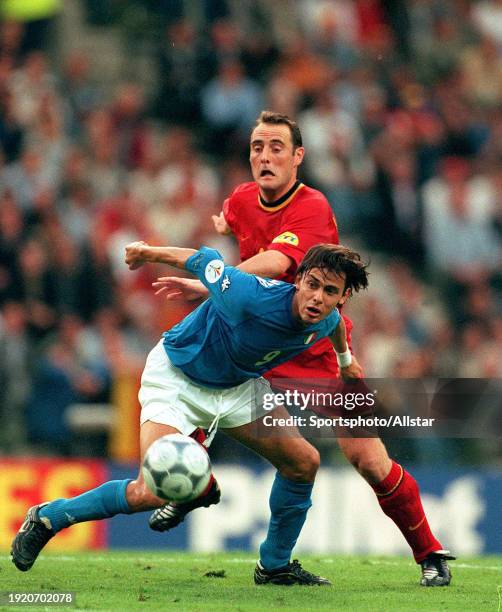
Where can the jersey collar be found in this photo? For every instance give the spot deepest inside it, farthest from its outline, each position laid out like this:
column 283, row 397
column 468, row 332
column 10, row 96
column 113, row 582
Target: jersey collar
column 282, row 201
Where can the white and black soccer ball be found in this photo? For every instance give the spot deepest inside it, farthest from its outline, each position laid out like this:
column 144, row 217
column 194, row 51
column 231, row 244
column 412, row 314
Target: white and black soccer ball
column 176, row 468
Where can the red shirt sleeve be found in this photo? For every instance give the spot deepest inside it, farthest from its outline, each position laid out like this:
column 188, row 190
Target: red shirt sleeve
column 231, row 206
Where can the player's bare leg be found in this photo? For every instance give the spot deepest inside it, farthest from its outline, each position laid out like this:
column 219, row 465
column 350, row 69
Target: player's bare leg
column 399, row 497
column 369, row 456
column 43, row 521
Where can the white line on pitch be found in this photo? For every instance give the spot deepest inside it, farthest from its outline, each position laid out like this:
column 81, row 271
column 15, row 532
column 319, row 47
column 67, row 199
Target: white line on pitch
column 455, row 565
column 158, row 558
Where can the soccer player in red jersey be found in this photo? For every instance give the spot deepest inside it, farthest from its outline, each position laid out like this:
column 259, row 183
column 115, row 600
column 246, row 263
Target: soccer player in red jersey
column 276, row 219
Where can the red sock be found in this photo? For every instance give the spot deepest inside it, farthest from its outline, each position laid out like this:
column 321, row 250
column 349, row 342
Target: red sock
column 399, row 497
column 199, row 435
column 209, row 485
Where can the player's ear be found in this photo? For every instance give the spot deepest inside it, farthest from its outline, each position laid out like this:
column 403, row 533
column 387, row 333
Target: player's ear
column 298, row 278
column 346, row 295
column 298, row 155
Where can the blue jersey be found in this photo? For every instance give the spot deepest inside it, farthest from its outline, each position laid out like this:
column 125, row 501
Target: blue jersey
column 245, row 328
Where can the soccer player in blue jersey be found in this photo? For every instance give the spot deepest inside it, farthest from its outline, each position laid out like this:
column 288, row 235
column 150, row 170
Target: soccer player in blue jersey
column 206, row 372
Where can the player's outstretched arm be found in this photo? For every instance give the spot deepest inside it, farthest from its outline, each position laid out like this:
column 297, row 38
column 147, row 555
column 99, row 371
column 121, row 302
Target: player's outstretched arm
column 177, row 288
column 268, row 264
column 139, row 253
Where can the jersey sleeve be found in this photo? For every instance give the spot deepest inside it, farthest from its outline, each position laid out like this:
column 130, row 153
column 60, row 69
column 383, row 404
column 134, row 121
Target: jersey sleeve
column 305, row 227
column 233, row 292
column 232, row 206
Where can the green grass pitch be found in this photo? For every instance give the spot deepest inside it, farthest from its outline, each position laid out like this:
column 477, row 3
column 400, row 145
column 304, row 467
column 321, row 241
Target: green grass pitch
column 196, row 582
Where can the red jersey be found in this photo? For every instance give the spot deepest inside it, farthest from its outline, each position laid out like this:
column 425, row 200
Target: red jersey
column 301, row 220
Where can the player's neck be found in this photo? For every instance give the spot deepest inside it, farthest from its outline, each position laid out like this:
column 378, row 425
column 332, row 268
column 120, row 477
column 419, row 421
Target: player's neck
column 271, row 200
column 295, row 311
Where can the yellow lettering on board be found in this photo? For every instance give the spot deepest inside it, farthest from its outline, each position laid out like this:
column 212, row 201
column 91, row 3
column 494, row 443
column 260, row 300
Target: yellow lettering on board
column 61, row 481
column 13, row 507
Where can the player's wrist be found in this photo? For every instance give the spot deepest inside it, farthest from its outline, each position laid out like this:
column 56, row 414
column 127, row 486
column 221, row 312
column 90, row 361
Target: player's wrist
column 344, row 359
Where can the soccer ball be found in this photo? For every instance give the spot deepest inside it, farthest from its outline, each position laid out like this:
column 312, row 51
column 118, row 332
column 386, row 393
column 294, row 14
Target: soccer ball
column 176, row 468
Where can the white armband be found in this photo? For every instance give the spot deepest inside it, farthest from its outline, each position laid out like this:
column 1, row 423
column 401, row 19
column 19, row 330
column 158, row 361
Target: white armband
column 344, row 359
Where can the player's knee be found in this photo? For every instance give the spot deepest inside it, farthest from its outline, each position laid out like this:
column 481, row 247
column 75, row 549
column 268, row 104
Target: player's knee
column 305, row 466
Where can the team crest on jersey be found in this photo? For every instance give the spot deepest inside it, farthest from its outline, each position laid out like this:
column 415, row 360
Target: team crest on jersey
column 214, row 270
column 310, row 338
column 267, row 283
column 287, row 238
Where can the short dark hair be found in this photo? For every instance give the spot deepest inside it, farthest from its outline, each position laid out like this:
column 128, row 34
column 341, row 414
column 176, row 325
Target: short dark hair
column 339, row 260
column 267, row 116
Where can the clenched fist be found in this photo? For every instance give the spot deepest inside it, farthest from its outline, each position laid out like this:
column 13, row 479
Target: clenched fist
column 135, row 254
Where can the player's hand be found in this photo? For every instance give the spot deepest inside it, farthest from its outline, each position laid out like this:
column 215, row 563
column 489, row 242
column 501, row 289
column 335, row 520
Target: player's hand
column 352, row 372
column 135, row 254
column 220, row 225
column 177, row 288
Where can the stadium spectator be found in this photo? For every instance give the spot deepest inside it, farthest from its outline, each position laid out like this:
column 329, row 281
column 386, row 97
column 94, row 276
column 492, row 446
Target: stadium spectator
column 127, row 118
column 16, row 376
column 337, row 161
column 11, row 131
column 76, row 212
column 229, row 104
column 104, row 172
column 223, row 46
column 81, row 96
column 37, row 287
column 11, row 40
column 27, row 178
column 64, row 375
column 179, row 75
column 331, row 41
column 12, row 235
column 458, row 210
column 30, row 84
column 481, row 71
column 300, row 66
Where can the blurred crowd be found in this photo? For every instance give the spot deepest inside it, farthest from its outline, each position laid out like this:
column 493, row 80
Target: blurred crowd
column 400, row 107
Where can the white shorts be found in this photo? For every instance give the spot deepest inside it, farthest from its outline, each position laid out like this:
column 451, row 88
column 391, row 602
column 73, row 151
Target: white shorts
column 169, row 397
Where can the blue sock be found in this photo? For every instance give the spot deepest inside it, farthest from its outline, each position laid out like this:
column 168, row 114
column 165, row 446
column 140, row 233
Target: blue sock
column 289, row 504
column 102, row 502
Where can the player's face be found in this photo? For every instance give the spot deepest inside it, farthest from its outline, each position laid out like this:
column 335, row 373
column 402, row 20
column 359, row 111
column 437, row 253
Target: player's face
column 274, row 164
column 317, row 294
